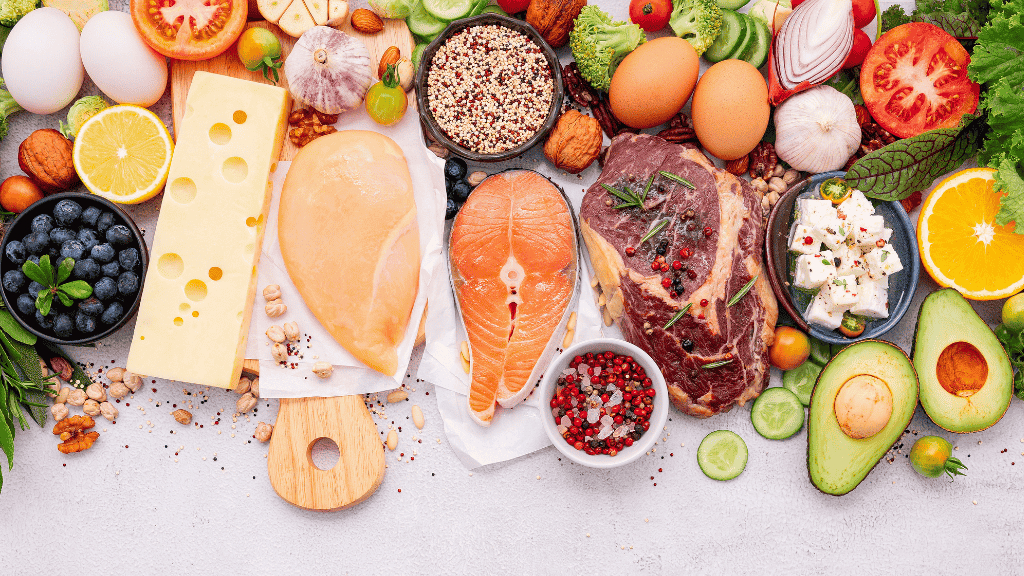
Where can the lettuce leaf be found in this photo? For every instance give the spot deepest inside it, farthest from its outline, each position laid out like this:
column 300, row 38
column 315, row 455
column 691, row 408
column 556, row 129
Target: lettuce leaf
column 960, row 18
column 1011, row 207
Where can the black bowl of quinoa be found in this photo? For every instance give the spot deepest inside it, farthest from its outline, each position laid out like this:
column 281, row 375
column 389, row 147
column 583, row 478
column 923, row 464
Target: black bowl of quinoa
column 489, row 88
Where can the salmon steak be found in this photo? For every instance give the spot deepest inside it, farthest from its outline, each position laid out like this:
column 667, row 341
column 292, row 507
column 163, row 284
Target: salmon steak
column 514, row 259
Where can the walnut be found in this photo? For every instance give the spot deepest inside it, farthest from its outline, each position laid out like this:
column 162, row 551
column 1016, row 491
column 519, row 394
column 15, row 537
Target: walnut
column 116, row 374
column 182, row 416
column 245, row 403
column 275, row 308
column 553, row 19
column 275, row 333
column 46, row 156
column 91, row 407
column 272, row 292
column 59, row 411
column 291, row 331
column 73, row 435
column 264, row 431
column 118, row 390
column 132, row 381
column 62, row 368
column 323, row 369
column 108, row 411
column 574, row 142
column 738, row 166
column 95, row 391
column 62, row 396
column 279, row 352
column 254, row 388
column 243, row 385
column 77, row 397
column 763, row 160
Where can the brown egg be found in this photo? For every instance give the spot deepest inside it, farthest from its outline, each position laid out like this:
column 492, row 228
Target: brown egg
column 730, row 109
column 653, row 82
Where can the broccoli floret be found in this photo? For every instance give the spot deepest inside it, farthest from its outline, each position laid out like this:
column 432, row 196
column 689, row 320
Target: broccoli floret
column 696, row 21
column 894, row 16
column 12, row 10
column 598, row 44
column 7, row 107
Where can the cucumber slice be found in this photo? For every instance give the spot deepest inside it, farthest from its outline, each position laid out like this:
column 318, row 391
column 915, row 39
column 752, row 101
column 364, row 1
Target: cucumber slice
column 732, row 31
column 745, row 41
column 417, row 55
column 821, row 353
column 722, row 455
column 448, row 10
column 421, row 23
column 757, row 51
column 494, row 10
column 800, row 380
column 732, row 4
column 777, row 414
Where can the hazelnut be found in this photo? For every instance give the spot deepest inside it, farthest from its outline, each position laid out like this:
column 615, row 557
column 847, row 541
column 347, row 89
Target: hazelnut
column 46, row 156
column 245, row 403
column 275, row 333
column 272, row 292
column 62, row 396
column 91, row 407
column 243, row 385
column 108, row 411
column 772, row 197
column 77, row 397
column 778, row 171
column 291, row 331
column 182, row 416
column 254, row 388
column 59, row 411
column 476, row 178
column 790, row 177
column 323, row 369
column 118, row 390
column 95, row 391
column 264, row 431
column 275, row 308
column 132, row 381
column 279, row 352
column 115, row 374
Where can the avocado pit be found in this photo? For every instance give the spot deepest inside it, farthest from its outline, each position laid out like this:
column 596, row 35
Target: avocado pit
column 961, row 370
column 863, row 406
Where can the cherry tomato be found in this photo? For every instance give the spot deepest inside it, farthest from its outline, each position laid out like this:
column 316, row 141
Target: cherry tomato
column 932, row 455
column 514, row 6
column 1013, row 313
column 18, row 193
column 189, row 29
column 914, row 79
column 790, row 349
column 386, row 101
column 651, row 15
column 259, row 49
column 861, row 45
column 796, row 3
column 852, row 325
column 863, row 12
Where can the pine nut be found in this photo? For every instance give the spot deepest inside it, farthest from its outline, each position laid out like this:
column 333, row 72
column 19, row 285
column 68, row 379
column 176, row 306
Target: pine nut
column 392, row 440
column 417, row 417
column 397, row 396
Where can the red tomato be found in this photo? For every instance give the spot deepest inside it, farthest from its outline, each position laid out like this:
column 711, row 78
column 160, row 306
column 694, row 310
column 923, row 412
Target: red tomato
column 861, row 45
column 651, row 15
column 514, row 6
column 790, row 349
column 189, row 29
column 796, row 3
column 863, row 12
column 914, row 79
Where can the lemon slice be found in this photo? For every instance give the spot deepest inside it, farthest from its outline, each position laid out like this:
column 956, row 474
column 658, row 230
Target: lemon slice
column 123, row 154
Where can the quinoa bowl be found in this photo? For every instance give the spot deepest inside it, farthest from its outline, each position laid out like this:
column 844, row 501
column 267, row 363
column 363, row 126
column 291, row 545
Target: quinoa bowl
column 471, row 116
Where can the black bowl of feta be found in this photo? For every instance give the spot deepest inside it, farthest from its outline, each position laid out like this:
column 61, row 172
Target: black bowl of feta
column 86, row 262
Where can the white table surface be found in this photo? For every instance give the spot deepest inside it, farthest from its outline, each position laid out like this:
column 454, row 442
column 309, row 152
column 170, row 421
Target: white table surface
column 155, row 497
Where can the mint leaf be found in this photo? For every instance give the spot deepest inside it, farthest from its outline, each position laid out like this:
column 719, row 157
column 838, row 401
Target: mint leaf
column 63, row 298
column 34, row 272
column 44, row 301
column 64, row 271
column 1011, row 207
column 47, row 268
column 79, row 289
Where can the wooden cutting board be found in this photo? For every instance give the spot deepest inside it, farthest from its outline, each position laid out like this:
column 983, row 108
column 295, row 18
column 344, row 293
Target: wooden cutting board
column 301, row 422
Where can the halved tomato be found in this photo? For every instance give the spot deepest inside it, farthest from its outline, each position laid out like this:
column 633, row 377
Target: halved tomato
column 914, row 79
column 190, row 29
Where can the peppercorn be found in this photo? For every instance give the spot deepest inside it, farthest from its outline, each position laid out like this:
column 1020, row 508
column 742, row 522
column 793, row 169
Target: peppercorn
column 687, row 344
column 630, row 251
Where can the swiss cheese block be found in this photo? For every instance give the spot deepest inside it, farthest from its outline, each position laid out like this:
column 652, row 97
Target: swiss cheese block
column 194, row 316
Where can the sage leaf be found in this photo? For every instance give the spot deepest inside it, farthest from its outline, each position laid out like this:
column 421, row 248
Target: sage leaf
column 79, row 289
column 9, row 325
column 7, row 442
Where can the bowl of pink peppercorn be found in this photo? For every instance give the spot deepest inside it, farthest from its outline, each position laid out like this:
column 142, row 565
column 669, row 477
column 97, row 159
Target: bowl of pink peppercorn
column 607, row 403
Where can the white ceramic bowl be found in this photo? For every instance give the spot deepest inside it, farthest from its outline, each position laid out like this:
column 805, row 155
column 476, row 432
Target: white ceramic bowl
column 658, row 418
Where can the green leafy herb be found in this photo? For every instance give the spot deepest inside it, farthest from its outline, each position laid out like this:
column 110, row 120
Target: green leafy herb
column 894, row 16
column 907, row 166
column 628, row 197
column 657, row 228
column 885, row 254
column 1011, row 207
column 839, row 282
column 848, row 82
column 647, row 188
column 961, row 18
column 54, row 285
column 1013, row 343
column 743, row 291
column 826, row 262
column 678, row 315
column 711, row 365
column 678, row 179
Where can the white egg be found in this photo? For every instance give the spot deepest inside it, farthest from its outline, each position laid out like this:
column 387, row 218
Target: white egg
column 119, row 62
column 41, row 64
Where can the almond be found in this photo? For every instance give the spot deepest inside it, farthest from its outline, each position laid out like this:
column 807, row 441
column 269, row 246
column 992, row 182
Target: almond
column 391, row 56
column 366, row 21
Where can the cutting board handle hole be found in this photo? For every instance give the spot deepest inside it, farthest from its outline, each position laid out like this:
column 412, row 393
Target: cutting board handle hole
column 323, row 453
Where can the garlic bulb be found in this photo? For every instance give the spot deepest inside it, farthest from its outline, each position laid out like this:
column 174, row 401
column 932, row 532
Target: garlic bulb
column 328, row 70
column 816, row 130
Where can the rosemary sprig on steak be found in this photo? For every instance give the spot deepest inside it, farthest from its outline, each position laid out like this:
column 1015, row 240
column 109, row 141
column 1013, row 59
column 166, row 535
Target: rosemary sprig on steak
column 743, row 291
column 711, row 365
column 628, row 197
column 657, row 228
column 682, row 181
column 678, row 315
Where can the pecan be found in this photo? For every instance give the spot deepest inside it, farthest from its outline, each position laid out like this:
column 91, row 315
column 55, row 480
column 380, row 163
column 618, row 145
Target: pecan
column 911, row 202
column 678, row 135
column 62, row 368
column 763, row 161
column 863, row 116
column 578, row 88
column 738, row 166
column 680, row 120
column 603, row 113
column 73, row 435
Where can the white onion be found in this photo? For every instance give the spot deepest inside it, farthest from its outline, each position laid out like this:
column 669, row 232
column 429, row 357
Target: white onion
column 814, row 42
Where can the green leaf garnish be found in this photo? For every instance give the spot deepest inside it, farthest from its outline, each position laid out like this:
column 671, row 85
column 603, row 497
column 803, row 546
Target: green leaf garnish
column 678, row 315
column 647, row 188
column 64, row 270
column 65, row 292
column 678, row 179
column 619, row 193
column 63, row 298
column 34, row 272
column 79, row 289
column 44, row 301
column 743, row 291
column 711, row 365
column 47, row 268
column 657, row 228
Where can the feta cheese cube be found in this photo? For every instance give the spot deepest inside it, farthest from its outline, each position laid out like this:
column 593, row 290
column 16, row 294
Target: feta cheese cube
column 856, row 206
column 799, row 243
column 874, row 298
column 883, row 262
column 812, row 211
column 868, row 230
column 841, row 292
column 821, row 314
column 833, row 232
column 851, row 261
column 812, row 270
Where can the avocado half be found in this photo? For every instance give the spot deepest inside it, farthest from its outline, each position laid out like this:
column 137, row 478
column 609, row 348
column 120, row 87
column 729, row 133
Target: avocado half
column 966, row 377
column 836, row 462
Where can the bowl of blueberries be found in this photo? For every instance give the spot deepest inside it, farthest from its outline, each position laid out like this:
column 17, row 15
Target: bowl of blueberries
column 94, row 293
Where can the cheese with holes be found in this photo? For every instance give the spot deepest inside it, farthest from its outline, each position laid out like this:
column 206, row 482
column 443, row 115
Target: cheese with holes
column 198, row 298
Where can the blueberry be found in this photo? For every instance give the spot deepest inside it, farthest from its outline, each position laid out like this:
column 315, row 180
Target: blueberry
column 90, row 215
column 105, row 289
column 44, row 322
column 61, row 235
column 103, row 253
column 73, row 249
column 62, row 325
column 448, row 187
column 455, row 168
column 87, row 269
column 91, row 307
column 106, row 220
column 112, row 314
column 119, row 235
column 88, row 237
column 128, row 283
column 451, row 209
column 460, row 191
column 37, row 243
column 111, row 269
column 26, row 304
column 85, row 323
column 53, row 252
column 67, row 212
column 34, row 288
column 14, row 281
column 129, row 258
column 15, row 252
column 42, row 223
